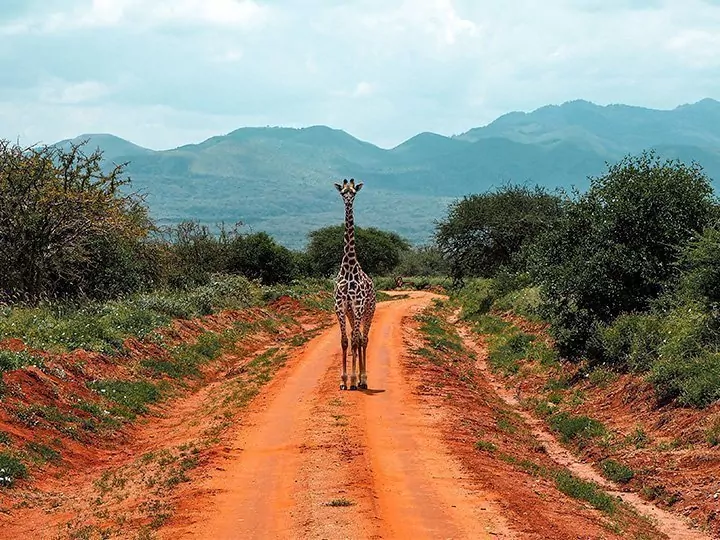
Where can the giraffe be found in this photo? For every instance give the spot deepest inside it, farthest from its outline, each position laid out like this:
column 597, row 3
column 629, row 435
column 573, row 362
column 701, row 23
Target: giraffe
column 354, row 296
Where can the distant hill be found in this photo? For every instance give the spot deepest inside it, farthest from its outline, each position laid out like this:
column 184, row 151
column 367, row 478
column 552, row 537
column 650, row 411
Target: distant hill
column 113, row 147
column 280, row 179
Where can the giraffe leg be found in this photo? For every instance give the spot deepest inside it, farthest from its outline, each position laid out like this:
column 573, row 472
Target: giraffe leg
column 356, row 338
column 363, row 364
column 344, row 344
column 365, row 337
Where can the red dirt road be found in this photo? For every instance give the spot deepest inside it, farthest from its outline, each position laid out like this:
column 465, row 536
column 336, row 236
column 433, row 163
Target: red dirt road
column 312, row 461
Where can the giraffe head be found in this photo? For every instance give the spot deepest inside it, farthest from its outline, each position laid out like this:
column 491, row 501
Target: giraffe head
column 349, row 189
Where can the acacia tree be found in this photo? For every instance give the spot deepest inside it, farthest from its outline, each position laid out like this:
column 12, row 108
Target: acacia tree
column 482, row 232
column 66, row 228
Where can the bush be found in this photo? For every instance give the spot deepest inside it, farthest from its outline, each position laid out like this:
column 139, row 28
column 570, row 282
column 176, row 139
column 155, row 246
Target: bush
column 132, row 396
column 482, row 233
column 632, row 341
column 258, row 256
column 194, row 253
column 700, row 262
column 576, row 428
column 477, row 297
column 378, row 251
column 694, row 382
column 525, row 302
column 617, row 472
column 422, row 261
column 11, row 469
column 615, row 249
column 10, row 360
column 66, row 228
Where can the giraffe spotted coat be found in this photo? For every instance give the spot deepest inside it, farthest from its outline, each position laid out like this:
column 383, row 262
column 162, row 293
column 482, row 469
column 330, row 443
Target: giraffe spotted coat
column 354, row 297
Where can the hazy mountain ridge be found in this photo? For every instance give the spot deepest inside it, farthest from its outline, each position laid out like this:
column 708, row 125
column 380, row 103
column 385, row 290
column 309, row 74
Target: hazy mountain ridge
column 280, row 179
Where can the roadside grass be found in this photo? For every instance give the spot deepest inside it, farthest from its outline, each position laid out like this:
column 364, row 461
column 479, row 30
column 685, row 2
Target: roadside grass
column 615, row 471
column 578, row 429
column 510, row 351
column 103, row 328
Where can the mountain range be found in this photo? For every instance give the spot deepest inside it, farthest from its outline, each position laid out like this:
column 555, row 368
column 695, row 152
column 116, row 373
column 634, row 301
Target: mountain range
column 280, row 179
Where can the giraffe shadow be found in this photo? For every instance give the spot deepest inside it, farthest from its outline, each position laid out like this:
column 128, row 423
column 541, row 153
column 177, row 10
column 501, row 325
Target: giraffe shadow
column 372, row 392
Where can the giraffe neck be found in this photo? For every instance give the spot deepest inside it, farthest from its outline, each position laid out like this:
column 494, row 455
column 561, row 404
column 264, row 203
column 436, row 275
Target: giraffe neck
column 349, row 257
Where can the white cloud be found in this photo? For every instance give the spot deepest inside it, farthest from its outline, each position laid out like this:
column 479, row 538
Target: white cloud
column 62, row 92
column 228, row 56
column 381, row 70
column 363, row 89
column 700, row 48
column 141, row 14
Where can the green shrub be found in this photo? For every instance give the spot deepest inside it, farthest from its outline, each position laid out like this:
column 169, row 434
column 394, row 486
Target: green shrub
column 576, row 428
column 617, row 472
column 438, row 333
column 585, row 491
column 69, row 228
column 632, row 341
column 259, row 256
column 378, row 251
column 133, row 396
column 486, row 446
column 477, row 297
column 700, row 262
column 615, row 248
column 421, row 261
column 525, row 302
column 482, row 232
column 507, row 350
column 10, row 360
column 11, row 469
column 694, row 382
column 712, row 434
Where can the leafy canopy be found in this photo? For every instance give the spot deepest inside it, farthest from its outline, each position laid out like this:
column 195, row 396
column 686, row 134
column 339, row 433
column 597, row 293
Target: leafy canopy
column 483, row 232
column 378, row 251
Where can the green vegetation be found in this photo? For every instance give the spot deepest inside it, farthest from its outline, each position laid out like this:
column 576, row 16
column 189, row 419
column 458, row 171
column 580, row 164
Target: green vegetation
column 486, row 446
column 575, row 428
column 10, row 360
column 482, row 233
column 617, row 472
column 185, row 360
column 616, row 247
column 625, row 274
column 102, row 326
column 133, row 397
column 569, row 484
column 67, row 229
column 583, row 490
column 378, row 252
column 438, row 334
column 712, row 434
column 11, row 469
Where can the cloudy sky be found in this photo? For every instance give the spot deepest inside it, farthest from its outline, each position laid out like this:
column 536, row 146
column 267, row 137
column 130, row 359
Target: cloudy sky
column 167, row 72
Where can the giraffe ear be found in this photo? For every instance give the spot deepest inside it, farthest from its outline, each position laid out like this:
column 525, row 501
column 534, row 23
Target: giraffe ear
column 358, row 186
column 338, row 186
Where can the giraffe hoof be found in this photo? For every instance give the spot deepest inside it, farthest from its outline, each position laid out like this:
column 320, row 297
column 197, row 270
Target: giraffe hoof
column 362, row 386
column 353, row 387
column 343, row 387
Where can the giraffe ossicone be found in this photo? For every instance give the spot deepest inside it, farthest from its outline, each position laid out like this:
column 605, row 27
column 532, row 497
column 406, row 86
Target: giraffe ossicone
column 354, row 297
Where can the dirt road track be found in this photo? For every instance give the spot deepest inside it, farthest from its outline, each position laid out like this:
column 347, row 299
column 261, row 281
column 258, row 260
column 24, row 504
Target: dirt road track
column 314, row 462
